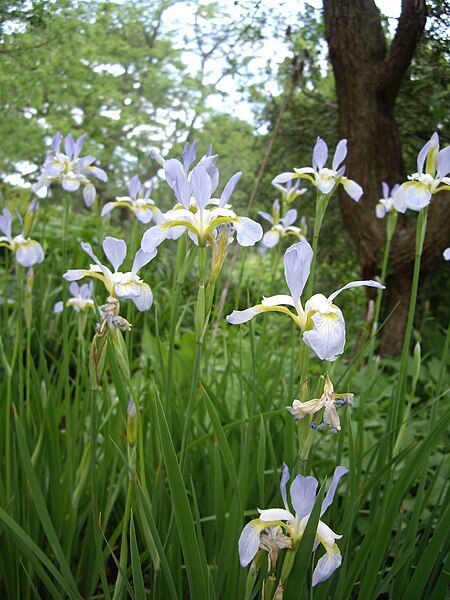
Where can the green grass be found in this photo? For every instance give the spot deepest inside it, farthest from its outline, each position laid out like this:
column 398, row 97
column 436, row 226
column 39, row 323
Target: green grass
column 85, row 515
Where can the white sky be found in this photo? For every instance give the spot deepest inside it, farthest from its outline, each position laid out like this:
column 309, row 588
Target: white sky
column 180, row 17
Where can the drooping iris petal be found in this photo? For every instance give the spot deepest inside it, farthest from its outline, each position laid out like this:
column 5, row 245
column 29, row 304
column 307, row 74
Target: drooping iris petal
column 320, row 154
column 275, row 514
column 446, row 254
column 58, row 308
column 89, row 194
column 29, row 253
column 76, row 274
column 326, row 566
column 144, row 214
column 153, row 237
column 353, row 284
column 107, row 208
column 327, row 338
column 339, row 472
column 248, row 544
column 242, row 316
column 339, row 154
column 97, row 172
column 353, row 189
column 115, row 251
column 417, row 196
column 271, row 238
column 303, row 495
column 278, row 300
column 283, row 178
column 145, row 299
column 70, row 184
column 248, row 232
column 297, row 266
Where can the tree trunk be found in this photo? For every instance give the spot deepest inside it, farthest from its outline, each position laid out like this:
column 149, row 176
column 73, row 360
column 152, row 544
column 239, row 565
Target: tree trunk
column 368, row 76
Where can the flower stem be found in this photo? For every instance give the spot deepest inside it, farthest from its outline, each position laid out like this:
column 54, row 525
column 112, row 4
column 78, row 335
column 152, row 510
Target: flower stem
column 401, row 385
column 321, row 207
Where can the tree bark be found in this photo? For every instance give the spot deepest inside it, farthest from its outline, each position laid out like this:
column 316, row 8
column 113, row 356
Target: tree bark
column 368, row 77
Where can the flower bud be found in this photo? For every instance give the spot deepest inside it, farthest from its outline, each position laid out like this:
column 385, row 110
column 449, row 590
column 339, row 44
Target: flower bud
column 132, row 423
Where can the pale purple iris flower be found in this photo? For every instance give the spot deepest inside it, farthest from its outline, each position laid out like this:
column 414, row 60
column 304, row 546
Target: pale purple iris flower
column 198, row 212
column 69, row 168
column 324, row 179
column 123, row 286
column 446, row 254
column 433, row 166
column 303, row 494
column 81, row 299
column 320, row 320
column 281, row 227
column 27, row 252
column 290, row 191
column 138, row 201
column 392, row 201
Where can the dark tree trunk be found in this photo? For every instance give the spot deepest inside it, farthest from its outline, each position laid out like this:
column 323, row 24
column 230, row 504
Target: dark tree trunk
column 368, row 76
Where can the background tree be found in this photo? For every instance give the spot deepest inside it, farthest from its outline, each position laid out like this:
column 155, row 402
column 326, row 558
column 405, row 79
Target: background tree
column 369, row 73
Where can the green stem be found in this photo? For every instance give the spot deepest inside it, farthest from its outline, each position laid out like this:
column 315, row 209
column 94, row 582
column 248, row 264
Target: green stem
column 390, row 229
column 321, row 207
column 400, row 389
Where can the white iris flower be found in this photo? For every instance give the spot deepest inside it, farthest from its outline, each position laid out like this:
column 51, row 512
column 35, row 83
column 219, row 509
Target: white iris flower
column 433, row 166
column 123, row 286
column 303, row 495
column 324, row 179
column 28, row 252
column 320, row 320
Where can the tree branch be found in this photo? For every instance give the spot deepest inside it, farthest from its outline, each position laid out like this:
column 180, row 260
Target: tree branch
column 398, row 58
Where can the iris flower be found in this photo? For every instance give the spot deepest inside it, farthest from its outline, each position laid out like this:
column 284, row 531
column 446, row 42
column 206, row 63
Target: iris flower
column 390, row 202
column 69, row 169
column 433, row 166
column 302, row 495
column 320, row 320
column 446, row 254
column 291, row 191
column 81, row 298
column 138, row 201
column 329, row 402
column 123, row 286
column 28, row 252
column 324, row 179
column 198, row 212
column 281, row 227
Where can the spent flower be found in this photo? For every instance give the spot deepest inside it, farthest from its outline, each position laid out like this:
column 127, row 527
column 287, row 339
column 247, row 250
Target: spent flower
column 281, row 227
column 433, row 166
column 27, row 252
column 121, row 286
column 329, row 402
column 320, row 320
column 138, row 201
column 324, row 179
column 303, row 493
column 69, row 168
